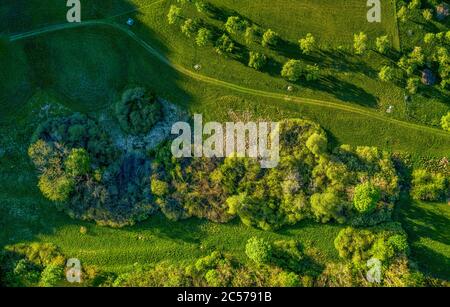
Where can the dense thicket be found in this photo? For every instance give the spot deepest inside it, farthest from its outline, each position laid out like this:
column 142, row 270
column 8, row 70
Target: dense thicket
column 138, row 111
column 309, row 182
column 81, row 169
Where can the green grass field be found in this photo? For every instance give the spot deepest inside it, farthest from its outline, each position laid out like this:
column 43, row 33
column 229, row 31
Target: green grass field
column 84, row 69
column 429, row 234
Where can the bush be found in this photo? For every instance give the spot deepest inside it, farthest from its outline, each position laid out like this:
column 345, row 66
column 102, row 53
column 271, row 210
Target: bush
column 56, row 189
column 78, row 162
column 307, row 44
column 258, row 250
column 385, row 243
column 234, row 25
column 366, row 198
column 292, row 70
column 328, row 206
column 51, row 276
column 224, row 45
column 360, row 43
column 138, row 111
column 189, row 27
column 428, row 186
column 204, row 36
column 445, row 122
column 257, row 60
column 383, row 44
column 270, row 38
column 317, row 144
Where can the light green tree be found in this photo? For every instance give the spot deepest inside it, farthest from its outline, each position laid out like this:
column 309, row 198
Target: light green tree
column 445, row 122
column 307, row 44
column 360, row 43
column 174, row 14
column 383, row 44
column 270, row 38
column 204, row 36
column 366, row 197
column 386, row 74
column 258, row 250
column 292, row 70
column 257, row 60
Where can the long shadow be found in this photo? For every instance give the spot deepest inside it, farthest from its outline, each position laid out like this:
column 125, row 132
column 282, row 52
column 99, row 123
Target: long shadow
column 421, row 224
column 343, row 90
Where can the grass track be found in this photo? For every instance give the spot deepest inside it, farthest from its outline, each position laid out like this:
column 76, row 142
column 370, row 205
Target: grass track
column 235, row 87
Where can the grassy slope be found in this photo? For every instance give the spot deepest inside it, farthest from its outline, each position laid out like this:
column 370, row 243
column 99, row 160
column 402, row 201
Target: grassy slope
column 427, row 225
column 25, row 216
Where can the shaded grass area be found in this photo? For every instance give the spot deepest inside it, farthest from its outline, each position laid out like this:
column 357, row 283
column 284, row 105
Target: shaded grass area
column 427, row 225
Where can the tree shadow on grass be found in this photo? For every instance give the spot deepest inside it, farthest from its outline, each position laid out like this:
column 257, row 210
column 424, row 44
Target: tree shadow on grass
column 421, row 224
column 188, row 231
column 343, row 90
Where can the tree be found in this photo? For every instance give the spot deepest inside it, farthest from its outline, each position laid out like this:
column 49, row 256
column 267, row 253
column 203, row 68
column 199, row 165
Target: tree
column 258, row 250
column 224, row 45
column 251, row 33
column 383, row 44
column 430, row 39
column 189, row 27
column 78, row 162
column 204, row 36
column 201, row 6
column 445, row 122
column 257, row 60
column 403, row 14
column 312, row 72
column 412, row 85
column 428, row 186
column 234, row 25
column 174, row 14
column 317, row 144
column 138, row 111
column 386, row 74
column 428, row 14
column 360, row 43
column 56, row 189
column 328, row 206
column 51, row 275
column 417, row 57
column 159, row 187
column 270, row 38
column 307, row 44
column 366, row 198
column 414, row 5
column 292, row 70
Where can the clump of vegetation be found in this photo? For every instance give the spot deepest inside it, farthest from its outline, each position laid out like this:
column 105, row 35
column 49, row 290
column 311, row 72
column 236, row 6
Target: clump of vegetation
column 270, row 38
column 82, row 171
column 307, row 44
column 257, row 60
column 428, row 186
column 258, row 250
column 138, row 111
column 366, row 198
column 30, row 265
column 384, row 243
column 309, row 182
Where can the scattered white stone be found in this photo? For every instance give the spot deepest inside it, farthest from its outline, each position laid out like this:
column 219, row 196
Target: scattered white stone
column 390, row 109
column 197, row 67
column 290, row 88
